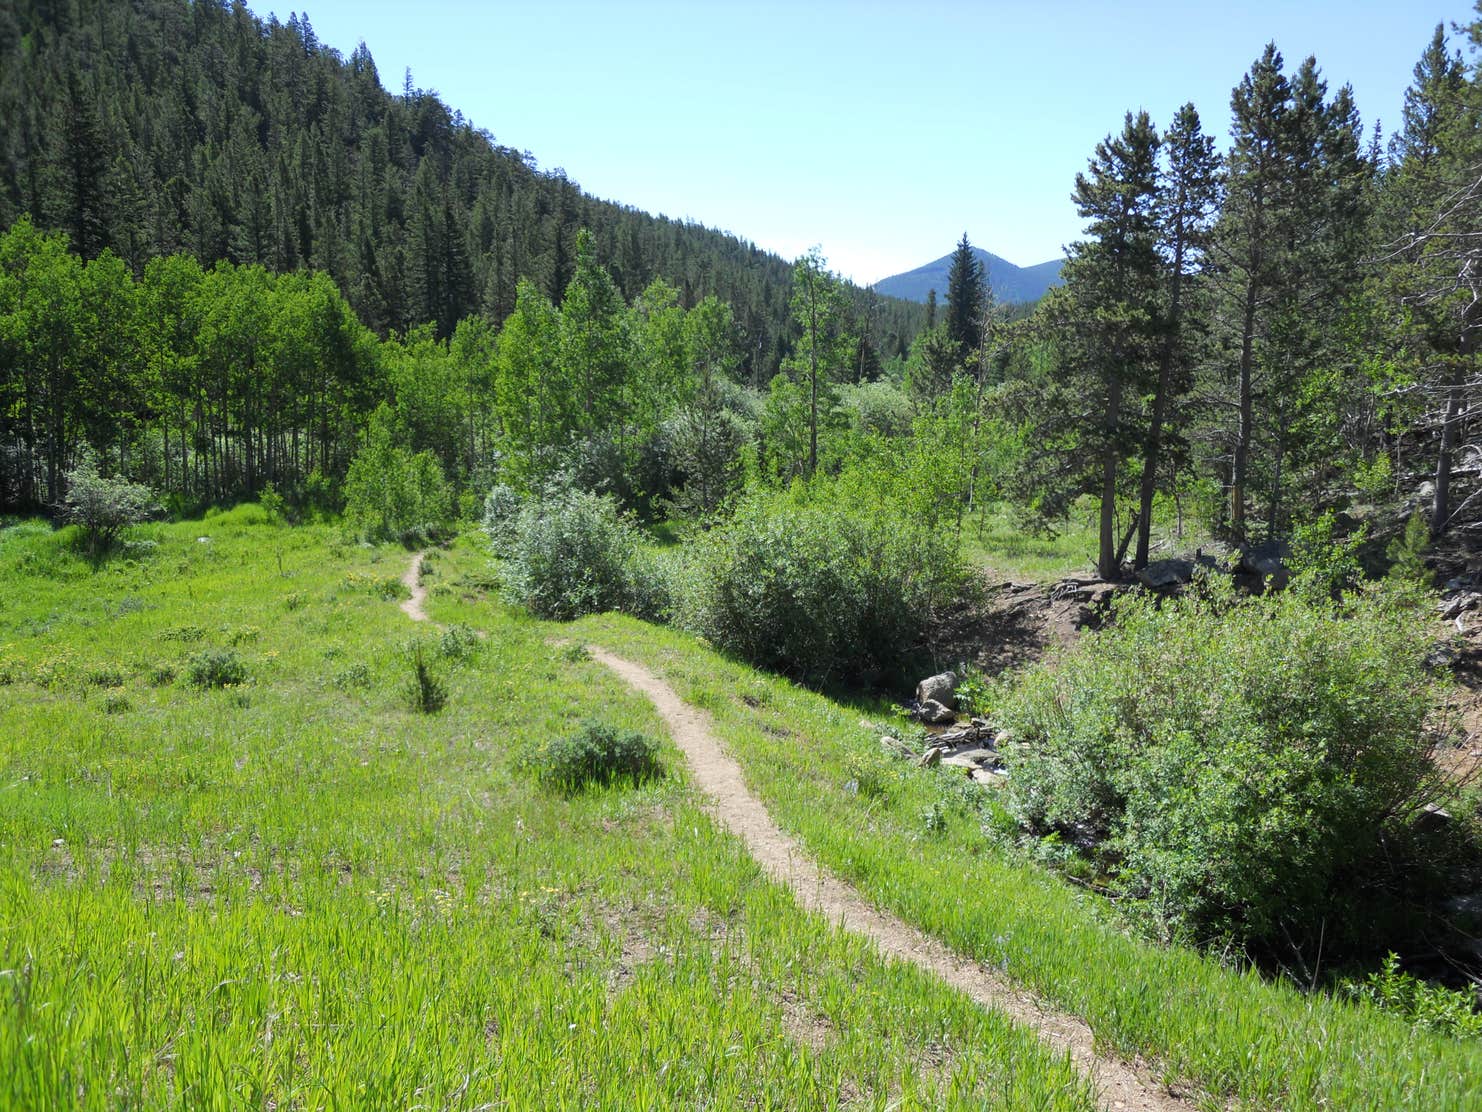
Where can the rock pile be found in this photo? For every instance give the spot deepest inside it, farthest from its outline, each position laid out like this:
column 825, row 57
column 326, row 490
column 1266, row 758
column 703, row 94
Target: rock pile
column 970, row 746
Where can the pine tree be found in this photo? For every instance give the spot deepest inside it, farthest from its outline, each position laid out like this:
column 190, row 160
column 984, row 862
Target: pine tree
column 965, row 291
column 1287, row 243
column 1111, row 278
column 81, row 197
column 1188, row 193
column 1431, row 211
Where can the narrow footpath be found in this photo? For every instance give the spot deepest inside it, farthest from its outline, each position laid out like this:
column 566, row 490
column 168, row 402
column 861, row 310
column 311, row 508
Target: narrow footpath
column 1120, row 1086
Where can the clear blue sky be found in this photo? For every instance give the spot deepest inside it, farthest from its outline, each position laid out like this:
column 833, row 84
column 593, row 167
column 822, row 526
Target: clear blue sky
column 879, row 131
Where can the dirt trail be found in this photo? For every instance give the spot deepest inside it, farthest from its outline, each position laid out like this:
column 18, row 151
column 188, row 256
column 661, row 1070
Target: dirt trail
column 412, row 580
column 1119, row 1085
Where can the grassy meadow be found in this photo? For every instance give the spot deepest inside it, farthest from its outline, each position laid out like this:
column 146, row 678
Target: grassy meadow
column 237, row 869
column 294, row 891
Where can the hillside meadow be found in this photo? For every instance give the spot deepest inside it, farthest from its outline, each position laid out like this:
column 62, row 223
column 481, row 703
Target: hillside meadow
column 295, row 891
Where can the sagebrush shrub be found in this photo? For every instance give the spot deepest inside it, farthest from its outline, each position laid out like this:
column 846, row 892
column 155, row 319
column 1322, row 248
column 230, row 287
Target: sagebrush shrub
column 216, row 668
column 104, row 507
column 1250, row 768
column 596, row 753
column 574, row 554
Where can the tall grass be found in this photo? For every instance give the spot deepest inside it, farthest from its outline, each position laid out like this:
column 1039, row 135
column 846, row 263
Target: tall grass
column 300, row 892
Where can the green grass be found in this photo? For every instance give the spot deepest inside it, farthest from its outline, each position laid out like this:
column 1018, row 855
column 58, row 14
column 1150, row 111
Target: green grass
column 297, row 891
column 922, row 843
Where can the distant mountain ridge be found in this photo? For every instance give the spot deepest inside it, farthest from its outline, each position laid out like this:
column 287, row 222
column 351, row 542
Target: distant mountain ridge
column 1008, row 282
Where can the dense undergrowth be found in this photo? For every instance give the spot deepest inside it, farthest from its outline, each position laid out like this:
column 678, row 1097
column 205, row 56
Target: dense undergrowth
column 1248, row 772
column 296, row 891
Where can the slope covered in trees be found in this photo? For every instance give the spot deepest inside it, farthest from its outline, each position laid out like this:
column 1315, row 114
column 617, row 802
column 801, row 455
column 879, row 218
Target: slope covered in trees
column 158, row 126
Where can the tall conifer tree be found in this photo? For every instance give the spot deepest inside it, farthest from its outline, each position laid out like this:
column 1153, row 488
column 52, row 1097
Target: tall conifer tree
column 965, row 291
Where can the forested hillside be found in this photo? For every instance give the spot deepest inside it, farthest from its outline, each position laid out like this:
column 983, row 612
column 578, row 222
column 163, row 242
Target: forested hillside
column 159, row 126
column 262, row 246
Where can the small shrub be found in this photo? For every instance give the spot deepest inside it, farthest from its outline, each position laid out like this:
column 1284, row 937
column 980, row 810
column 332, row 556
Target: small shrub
column 294, row 600
column 241, row 635
column 597, row 753
column 186, row 635
column 425, row 693
column 356, row 675
column 104, row 507
column 216, row 668
column 1406, row 552
column 573, row 554
column 105, row 675
column 388, row 588
column 1326, row 559
column 458, row 642
column 1427, row 1006
column 161, row 675
column 974, row 691
column 934, row 818
column 872, row 774
column 116, row 702
column 271, row 502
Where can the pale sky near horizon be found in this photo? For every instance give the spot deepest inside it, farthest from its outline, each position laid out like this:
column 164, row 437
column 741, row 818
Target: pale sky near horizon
column 879, row 131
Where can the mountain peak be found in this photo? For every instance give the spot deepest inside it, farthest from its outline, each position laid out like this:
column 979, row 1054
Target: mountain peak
column 1009, row 283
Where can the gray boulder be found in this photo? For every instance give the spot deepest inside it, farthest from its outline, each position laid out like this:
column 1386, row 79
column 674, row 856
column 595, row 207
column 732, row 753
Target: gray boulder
column 1162, row 574
column 935, row 714
column 971, row 758
column 941, row 688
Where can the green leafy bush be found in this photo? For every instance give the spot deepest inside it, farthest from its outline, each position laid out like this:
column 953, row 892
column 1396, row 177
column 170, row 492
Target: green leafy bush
column 818, row 591
column 597, row 753
column 216, row 668
column 104, row 507
column 501, row 516
column 1251, row 769
column 1428, row 1006
column 1328, row 559
column 574, row 554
